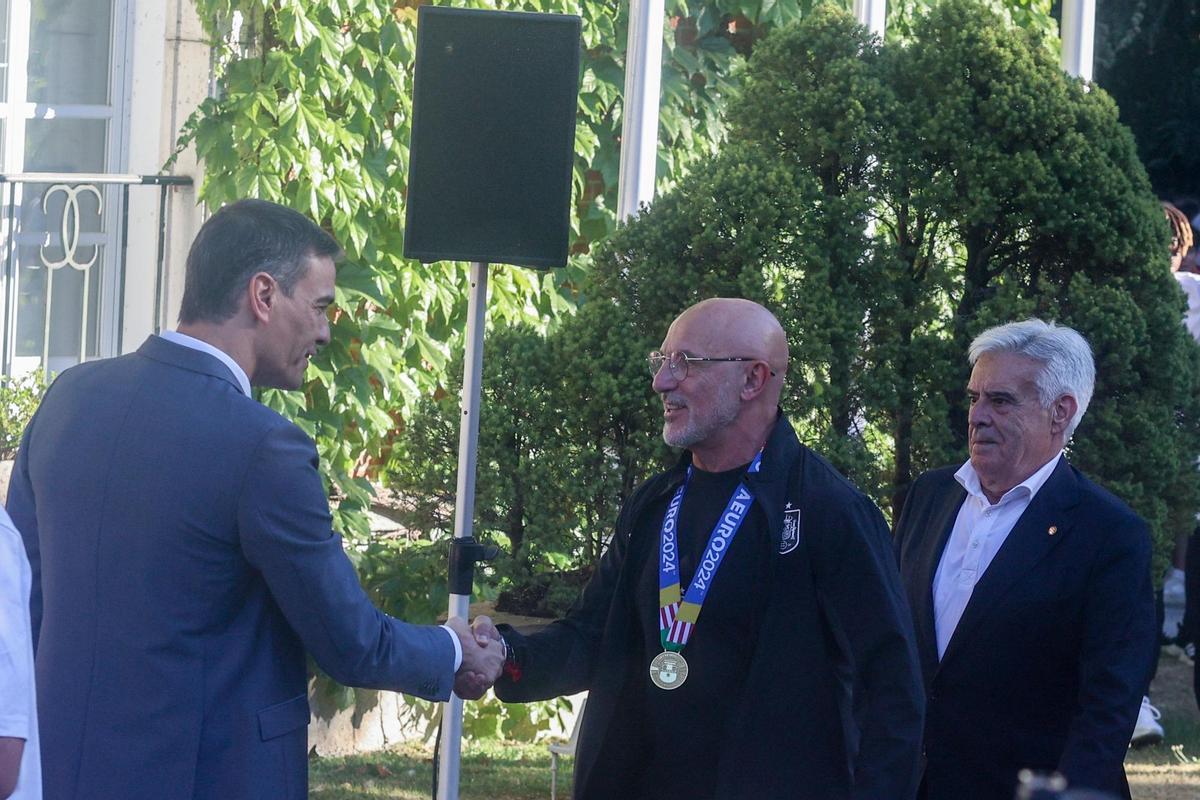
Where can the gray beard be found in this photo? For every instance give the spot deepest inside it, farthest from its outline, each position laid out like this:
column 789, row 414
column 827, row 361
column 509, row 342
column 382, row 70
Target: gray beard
column 724, row 415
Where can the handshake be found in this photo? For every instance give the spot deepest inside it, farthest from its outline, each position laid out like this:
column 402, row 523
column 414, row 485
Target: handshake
column 483, row 656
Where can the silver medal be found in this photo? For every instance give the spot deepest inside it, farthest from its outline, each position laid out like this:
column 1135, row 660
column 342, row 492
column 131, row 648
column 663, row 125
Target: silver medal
column 668, row 670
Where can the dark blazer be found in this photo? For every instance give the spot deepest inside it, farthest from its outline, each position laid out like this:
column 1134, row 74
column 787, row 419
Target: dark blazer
column 183, row 563
column 1047, row 667
column 831, row 704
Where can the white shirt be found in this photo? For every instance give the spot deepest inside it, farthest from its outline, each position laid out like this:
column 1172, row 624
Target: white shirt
column 18, row 696
column 176, row 337
column 979, row 531
column 184, row 340
column 1190, row 283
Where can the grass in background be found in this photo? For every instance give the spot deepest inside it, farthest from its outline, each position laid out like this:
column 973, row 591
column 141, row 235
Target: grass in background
column 1182, row 735
column 1172, row 693
column 491, row 770
column 497, row 770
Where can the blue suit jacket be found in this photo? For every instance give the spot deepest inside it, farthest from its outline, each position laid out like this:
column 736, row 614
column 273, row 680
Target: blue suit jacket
column 1049, row 662
column 183, row 562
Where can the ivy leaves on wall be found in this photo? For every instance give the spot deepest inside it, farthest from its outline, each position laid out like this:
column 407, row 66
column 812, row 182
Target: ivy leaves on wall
column 313, row 110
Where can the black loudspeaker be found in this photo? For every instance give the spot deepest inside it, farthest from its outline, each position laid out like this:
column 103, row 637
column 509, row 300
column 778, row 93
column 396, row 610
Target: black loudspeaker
column 493, row 136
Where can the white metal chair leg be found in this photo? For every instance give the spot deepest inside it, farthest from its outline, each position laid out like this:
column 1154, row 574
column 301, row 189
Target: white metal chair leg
column 567, row 749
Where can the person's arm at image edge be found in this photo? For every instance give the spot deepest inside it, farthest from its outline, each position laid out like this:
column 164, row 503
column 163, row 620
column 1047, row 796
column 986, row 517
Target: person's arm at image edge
column 11, row 750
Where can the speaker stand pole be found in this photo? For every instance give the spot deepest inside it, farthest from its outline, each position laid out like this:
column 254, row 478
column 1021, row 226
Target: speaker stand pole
column 872, row 14
column 1078, row 32
column 464, row 509
column 643, row 89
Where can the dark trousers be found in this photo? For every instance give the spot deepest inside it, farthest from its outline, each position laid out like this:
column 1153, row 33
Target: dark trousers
column 1191, row 614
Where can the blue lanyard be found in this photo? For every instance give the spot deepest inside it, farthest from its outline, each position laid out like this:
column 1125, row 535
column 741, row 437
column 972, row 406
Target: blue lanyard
column 675, row 619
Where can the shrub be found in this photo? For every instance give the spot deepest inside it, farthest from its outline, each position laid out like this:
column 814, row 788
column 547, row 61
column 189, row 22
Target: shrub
column 888, row 203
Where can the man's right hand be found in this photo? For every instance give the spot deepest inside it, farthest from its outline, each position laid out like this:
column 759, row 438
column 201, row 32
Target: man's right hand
column 483, row 661
column 483, row 627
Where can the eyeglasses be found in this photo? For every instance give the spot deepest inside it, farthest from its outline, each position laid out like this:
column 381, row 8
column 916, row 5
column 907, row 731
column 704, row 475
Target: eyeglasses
column 678, row 362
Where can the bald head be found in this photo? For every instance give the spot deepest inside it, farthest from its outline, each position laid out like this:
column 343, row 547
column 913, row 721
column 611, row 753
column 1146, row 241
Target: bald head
column 726, row 403
column 735, row 324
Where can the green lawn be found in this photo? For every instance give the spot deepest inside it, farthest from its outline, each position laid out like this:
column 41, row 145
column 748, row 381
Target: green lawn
column 1181, row 743
column 1171, row 692
column 514, row 771
column 490, row 771
column 1169, row 771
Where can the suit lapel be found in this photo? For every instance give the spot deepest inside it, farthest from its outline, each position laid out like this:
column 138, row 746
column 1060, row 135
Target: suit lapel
column 941, row 523
column 159, row 349
column 1028, row 542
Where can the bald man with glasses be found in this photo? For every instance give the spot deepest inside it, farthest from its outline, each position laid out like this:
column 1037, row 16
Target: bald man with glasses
column 745, row 634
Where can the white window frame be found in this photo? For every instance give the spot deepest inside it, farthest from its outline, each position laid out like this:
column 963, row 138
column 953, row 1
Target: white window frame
column 16, row 111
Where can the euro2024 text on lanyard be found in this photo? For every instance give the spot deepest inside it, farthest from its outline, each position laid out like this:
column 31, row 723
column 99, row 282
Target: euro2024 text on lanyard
column 677, row 620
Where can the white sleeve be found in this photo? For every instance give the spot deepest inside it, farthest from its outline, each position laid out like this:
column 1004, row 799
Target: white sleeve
column 16, row 679
column 457, row 646
column 1190, row 284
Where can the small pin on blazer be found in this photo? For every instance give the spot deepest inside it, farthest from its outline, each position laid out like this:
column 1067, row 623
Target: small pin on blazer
column 1053, row 529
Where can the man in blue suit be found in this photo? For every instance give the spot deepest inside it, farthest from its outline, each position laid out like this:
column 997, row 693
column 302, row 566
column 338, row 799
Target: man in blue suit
column 1029, row 585
column 182, row 550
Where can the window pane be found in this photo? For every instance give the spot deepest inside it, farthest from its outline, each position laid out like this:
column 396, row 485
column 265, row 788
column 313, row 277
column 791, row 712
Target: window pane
column 69, row 51
column 65, row 236
column 66, row 298
column 31, row 303
column 59, row 275
column 65, row 145
column 4, row 49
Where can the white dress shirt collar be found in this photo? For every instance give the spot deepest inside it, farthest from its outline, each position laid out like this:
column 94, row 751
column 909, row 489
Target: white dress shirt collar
column 980, row 531
column 968, row 478
column 175, row 337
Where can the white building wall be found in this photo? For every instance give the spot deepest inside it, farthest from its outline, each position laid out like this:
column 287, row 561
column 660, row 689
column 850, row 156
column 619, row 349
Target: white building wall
column 169, row 59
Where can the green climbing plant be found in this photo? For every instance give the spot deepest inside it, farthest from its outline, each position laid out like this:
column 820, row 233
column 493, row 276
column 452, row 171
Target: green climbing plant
column 313, row 111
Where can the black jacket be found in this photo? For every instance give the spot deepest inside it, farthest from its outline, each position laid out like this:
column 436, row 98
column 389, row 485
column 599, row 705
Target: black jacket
column 832, row 706
column 1047, row 666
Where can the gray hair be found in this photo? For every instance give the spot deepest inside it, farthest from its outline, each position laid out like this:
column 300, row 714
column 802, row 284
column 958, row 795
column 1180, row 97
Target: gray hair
column 1066, row 358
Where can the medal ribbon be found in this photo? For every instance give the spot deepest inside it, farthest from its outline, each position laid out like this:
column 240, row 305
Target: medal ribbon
column 675, row 619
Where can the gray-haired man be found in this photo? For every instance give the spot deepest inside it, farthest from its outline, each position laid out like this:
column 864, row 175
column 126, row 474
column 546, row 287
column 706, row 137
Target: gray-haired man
column 1029, row 584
